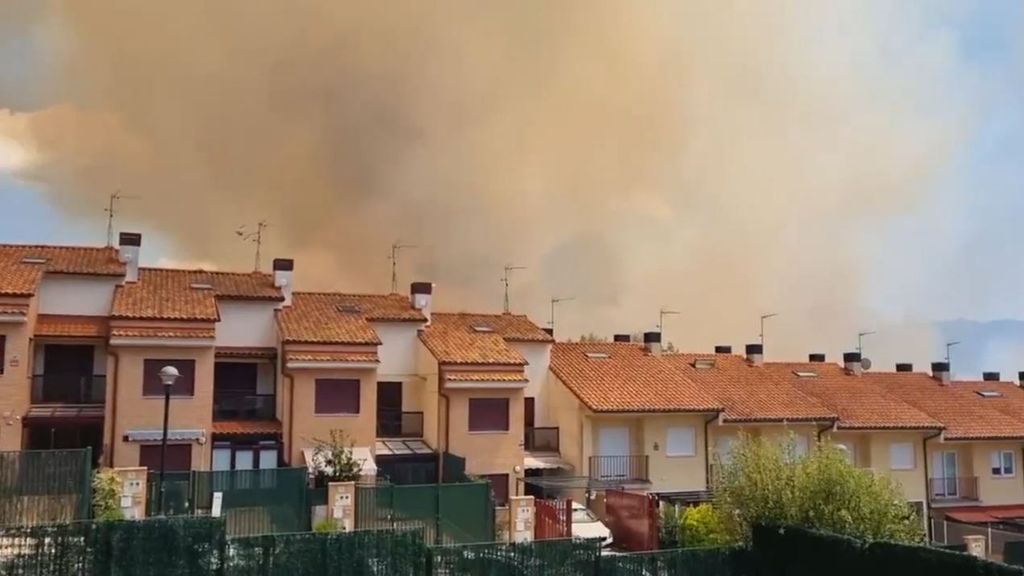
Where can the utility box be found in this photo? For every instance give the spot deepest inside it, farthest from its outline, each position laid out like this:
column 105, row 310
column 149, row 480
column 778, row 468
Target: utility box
column 521, row 518
column 132, row 491
column 341, row 504
column 975, row 545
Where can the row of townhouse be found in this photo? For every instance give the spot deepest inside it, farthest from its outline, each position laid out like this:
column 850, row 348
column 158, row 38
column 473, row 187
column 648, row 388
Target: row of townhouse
column 267, row 371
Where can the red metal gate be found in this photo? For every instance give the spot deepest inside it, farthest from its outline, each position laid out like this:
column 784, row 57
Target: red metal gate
column 553, row 519
column 633, row 520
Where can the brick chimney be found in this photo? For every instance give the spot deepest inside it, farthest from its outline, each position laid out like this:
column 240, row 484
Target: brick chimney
column 852, row 363
column 940, row 371
column 129, row 246
column 421, row 295
column 283, row 271
column 652, row 343
column 755, row 354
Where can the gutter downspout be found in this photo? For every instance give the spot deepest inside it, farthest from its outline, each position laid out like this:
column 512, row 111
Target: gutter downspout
column 113, row 405
column 831, row 426
column 927, row 484
column 447, row 426
column 707, row 452
column 291, row 411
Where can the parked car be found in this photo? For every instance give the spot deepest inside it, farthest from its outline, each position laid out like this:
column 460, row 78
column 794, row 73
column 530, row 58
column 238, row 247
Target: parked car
column 586, row 525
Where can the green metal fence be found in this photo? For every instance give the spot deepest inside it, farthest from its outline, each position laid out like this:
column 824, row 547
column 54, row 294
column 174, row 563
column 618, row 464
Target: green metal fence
column 446, row 513
column 540, row 558
column 177, row 486
column 45, row 486
column 681, row 562
column 353, row 553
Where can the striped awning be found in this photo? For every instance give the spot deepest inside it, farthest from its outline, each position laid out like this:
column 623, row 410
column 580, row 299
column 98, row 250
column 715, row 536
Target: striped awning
column 178, row 435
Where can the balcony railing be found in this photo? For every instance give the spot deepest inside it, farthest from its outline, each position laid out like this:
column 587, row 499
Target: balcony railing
column 69, row 389
column 399, row 424
column 542, row 439
column 619, row 468
column 961, row 488
column 244, row 407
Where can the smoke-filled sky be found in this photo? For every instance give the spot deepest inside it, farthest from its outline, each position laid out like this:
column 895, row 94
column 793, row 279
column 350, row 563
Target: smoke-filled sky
column 849, row 165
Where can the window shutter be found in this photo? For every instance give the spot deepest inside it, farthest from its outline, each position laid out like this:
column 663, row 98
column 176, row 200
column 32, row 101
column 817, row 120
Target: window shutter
column 488, row 414
column 681, row 441
column 335, row 396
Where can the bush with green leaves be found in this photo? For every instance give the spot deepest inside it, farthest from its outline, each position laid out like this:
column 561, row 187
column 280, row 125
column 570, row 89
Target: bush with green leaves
column 767, row 482
column 106, row 495
column 335, row 461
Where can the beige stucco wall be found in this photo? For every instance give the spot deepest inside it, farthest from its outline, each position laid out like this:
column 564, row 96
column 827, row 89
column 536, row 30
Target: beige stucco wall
column 913, row 481
column 674, row 473
column 426, row 394
column 566, row 412
column 308, row 427
column 487, row 452
column 777, row 432
column 135, row 412
column 994, row 490
column 15, row 388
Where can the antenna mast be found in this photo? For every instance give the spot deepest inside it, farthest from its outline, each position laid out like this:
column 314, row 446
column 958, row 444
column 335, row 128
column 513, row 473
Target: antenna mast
column 860, row 340
column 256, row 237
column 505, row 280
column 763, row 318
column 396, row 247
column 555, row 301
column 662, row 312
column 111, row 210
column 949, row 356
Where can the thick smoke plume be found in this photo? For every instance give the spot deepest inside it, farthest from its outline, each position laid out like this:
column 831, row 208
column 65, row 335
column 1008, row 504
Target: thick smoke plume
column 721, row 159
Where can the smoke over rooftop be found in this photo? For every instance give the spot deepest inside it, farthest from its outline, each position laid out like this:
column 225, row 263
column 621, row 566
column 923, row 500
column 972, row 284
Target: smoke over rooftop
column 724, row 160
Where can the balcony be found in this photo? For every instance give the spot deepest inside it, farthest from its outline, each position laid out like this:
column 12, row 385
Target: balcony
column 399, row 424
column 244, row 407
column 961, row 488
column 625, row 469
column 62, row 388
column 542, row 439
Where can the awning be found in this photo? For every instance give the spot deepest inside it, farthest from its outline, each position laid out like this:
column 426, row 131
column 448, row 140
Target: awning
column 984, row 514
column 70, row 413
column 402, row 447
column 545, row 463
column 246, row 427
column 360, row 453
column 178, row 435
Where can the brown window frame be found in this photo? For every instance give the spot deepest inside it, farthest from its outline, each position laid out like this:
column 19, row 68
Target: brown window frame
column 184, row 387
column 502, row 480
column 356, row 385
column 170, row 447
column 487, row 404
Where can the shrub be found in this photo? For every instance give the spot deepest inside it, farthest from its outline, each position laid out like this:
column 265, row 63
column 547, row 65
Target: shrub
column 106, row 496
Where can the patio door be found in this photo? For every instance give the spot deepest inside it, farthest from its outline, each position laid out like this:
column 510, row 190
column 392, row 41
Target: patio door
column 613, row 452
column 945, row 484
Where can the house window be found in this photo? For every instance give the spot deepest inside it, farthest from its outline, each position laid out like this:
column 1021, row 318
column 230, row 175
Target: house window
column 488, row 414
column 245, row 456
column 3, row 352
column 183, row 386
column 499, row 487
column 681, row 441
column 901, row 456
column 335, row 396
column 1002, row 463
column 723, row 448
column 179, row 457
column 800, row 446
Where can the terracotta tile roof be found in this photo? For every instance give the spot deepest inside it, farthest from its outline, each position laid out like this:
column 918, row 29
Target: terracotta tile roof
column 14, row 309
column 353, row 357
column 21, row 279
column 162, row 332
column 622, row 377
column 245, row 352
column 463, row 338
column 1010, row 400
column 54, row 325
column 859, row 402
column 489, row 376
column 169, row 294
column 330, row 318
column 965, row 415
column 749, row 393
column 246, row 427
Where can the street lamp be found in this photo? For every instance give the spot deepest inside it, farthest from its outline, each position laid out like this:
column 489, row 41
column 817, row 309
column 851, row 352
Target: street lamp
column 168, row 375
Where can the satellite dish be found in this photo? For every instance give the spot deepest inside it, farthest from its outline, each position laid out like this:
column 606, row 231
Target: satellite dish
column 865, row 363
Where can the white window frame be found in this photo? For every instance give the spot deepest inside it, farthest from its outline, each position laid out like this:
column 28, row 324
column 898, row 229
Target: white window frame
column 892, row 456
column 998, row 462
column 681, row 450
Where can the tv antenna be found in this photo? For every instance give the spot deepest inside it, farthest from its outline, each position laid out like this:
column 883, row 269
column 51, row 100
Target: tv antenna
column 949, row 355
column 860, row 340
column 254, row 236
column 111, row 211
column 396, row 247
column 555, row 301
column 662, row 312
column 505, row 280
column 763, row 318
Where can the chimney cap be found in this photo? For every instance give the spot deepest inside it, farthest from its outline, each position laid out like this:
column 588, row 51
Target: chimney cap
column 755, row 349
column 622, row 338
column 816, row 357
column 850, row 357
column 652, row 337
column 939, row 367
column 904, row 367
column 129, row 239
column 549, row 330
column 421, row 288
column 1020, row 376
column 723, row 349
column 990, row 376
column 283, row 265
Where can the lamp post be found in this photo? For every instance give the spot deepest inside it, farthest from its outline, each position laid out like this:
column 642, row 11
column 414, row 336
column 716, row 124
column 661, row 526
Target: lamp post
column 168, row 375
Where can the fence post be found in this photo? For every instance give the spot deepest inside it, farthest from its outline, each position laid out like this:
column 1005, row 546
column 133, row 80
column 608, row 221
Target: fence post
column 85, row 509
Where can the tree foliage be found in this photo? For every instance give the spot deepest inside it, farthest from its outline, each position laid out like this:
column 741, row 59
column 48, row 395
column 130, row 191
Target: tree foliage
column 693, row 527
column 767, row 482
column 106, row 496
column 335, row 461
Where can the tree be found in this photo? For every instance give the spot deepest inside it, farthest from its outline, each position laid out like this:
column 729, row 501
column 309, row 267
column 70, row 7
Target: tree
column 334, row 459
column 766, row 482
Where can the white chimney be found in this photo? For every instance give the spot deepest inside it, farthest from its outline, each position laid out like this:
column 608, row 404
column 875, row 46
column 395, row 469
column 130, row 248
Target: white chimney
column 652, row 343
column 755, row 354
column 852, row 363
column 283, row 270
column 940, row 371
column 129, row 246
column 421, row 294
